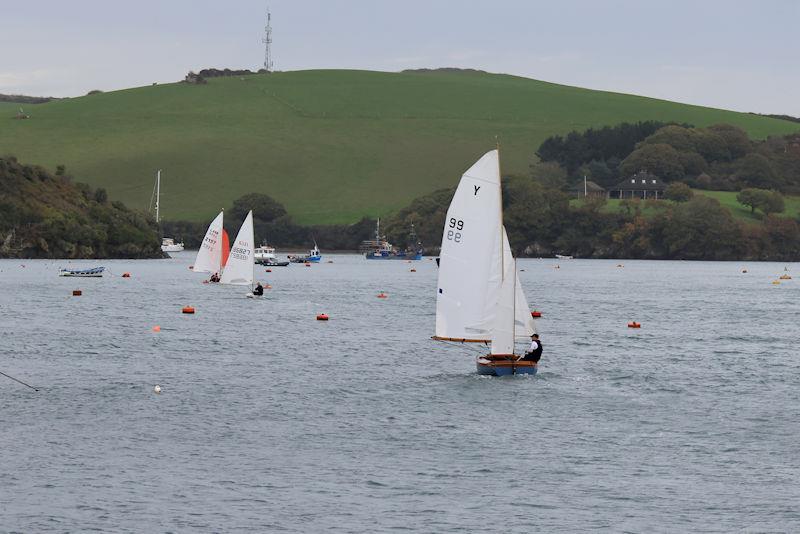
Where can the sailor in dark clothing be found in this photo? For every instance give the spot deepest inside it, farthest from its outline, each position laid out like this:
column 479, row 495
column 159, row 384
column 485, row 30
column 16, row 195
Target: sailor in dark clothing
column 535, row 352
column 259, row 290
column 214, row 278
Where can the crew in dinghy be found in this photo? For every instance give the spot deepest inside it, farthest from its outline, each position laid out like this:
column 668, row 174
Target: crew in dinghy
column 258, row 290
column 534, row 353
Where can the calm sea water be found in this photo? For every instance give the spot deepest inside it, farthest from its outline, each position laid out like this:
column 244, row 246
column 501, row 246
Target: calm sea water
column 270, row 421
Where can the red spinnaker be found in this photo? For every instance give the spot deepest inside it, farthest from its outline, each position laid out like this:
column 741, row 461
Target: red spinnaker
column 226, row 247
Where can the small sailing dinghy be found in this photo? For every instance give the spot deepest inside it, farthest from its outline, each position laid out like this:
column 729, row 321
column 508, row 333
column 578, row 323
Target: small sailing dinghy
column 479, row 297
column 240, row 269
column 213, row 252
column 95, row 272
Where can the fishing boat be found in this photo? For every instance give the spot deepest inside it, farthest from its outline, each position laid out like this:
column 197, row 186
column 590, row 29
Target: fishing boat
column 240, row 268
column 380, row 249
column 95, row 272
column 168, row 244
column 313, row 256
column 265, row 255
column 479, row 298
column 213, row 253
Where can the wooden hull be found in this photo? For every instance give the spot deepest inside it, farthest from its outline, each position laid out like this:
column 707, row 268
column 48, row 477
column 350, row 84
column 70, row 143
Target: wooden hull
column 500, row 365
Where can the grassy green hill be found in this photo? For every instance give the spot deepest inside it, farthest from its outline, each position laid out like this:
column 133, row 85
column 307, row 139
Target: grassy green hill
column 331, row 145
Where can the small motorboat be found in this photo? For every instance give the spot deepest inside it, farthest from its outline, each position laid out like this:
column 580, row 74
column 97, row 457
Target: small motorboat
column 265, row 255
column 95, row 272
column 272, row 263
column 169, row 245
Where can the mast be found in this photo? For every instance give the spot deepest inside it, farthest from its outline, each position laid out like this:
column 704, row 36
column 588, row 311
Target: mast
column 158, row 191
column 514, row 309
column 585, row 193
column 500, row 200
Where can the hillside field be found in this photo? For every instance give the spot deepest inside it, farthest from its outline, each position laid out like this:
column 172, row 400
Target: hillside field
column 332, row 145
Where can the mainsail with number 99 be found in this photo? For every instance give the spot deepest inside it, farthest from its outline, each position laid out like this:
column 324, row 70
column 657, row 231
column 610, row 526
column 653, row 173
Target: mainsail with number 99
column 475, row 259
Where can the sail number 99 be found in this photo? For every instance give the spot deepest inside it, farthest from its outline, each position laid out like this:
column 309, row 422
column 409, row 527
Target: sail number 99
column 455, row 234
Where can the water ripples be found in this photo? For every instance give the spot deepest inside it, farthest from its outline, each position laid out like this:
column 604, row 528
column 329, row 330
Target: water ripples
column 271, row 421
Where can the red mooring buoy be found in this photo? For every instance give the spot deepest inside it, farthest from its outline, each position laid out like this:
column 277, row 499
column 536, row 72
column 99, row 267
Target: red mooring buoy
column 322, row 317
column 536, row 314
column 634, row 324
column 187, row 309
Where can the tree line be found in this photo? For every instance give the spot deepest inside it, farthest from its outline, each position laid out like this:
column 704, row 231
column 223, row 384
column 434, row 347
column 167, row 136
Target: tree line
column 720, row 157
column 541, row 222
column 46, row 215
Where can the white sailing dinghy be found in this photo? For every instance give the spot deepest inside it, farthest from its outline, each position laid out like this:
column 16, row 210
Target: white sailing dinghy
column 479, row 298
column 213, row 252
column 240, row 268
column 210, row 256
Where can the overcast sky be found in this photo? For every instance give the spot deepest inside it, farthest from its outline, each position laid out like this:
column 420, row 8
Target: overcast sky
column 733, row 54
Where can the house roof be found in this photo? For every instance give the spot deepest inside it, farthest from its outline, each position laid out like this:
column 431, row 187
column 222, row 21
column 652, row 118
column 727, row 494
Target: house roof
column 591, row 187
column 641, row 181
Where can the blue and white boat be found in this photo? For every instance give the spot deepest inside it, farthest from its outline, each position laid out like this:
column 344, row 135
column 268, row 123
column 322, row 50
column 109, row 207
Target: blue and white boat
column 95, row 272
column 479, row 298
column 380, row 249
column 313, row 256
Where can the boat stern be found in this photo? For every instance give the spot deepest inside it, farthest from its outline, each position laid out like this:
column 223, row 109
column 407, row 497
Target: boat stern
column 502, row 365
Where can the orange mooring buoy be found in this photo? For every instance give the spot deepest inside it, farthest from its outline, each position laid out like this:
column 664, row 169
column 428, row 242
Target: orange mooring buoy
column 269, row 270
column 634, row 324
column 187, row 309
column 126, row 275
column 77, row 293
column 382, row 295
column 536, row 314
column 156, row 328
column 322, row 317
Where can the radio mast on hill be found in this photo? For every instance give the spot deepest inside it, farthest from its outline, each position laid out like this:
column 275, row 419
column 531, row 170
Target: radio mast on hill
column 267, row 40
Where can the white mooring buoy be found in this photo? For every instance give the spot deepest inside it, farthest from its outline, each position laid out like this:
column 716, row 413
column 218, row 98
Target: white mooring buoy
column 157, row 388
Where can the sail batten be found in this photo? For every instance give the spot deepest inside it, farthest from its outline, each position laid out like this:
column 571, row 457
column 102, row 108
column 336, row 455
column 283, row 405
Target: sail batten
column 240, row 267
